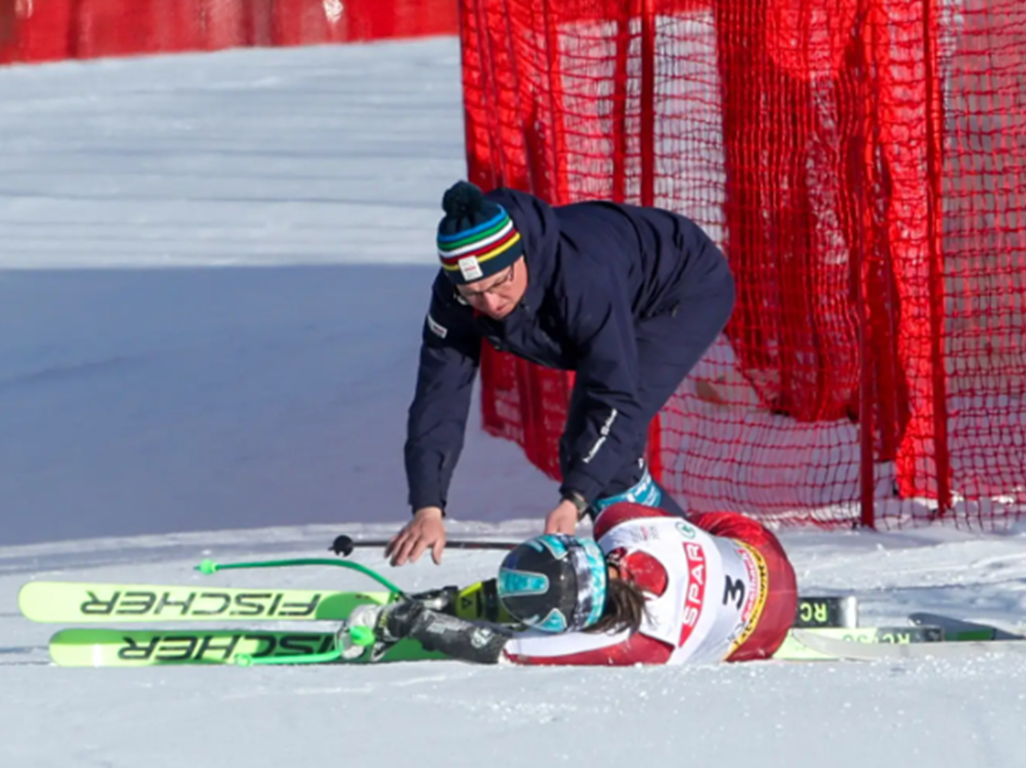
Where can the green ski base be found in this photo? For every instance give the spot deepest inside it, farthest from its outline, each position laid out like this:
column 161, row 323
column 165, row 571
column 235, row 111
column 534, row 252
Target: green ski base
column 146, row 648
column 81, row 647
column 69, row 602
column 793, row 649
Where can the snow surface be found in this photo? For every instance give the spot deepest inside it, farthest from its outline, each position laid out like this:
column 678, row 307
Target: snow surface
column 213, row 271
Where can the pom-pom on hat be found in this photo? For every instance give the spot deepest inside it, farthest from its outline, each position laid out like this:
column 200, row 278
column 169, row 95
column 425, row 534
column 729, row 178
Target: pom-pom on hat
column 476, row 237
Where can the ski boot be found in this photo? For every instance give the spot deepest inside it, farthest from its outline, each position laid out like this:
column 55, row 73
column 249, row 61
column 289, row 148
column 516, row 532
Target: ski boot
column 381, row 626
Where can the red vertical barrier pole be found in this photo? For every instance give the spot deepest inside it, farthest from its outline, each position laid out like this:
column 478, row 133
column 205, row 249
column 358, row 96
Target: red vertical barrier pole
column 618, row 125
column 862, row 234
column 648, row 54
column 559, row 186
column 648, row 78
column 935, row 250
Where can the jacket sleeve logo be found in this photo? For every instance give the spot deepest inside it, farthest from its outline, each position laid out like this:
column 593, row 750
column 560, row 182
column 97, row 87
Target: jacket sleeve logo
column 436, row 328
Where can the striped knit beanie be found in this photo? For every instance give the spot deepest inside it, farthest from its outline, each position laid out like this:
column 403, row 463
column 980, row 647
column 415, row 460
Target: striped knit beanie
column 476, row 237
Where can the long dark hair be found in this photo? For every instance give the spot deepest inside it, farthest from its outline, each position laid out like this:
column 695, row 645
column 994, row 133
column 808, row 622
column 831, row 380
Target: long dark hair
column 625, row 607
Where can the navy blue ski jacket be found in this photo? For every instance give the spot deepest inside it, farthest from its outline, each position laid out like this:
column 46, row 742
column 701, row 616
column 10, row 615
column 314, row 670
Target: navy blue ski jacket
column 595, row 270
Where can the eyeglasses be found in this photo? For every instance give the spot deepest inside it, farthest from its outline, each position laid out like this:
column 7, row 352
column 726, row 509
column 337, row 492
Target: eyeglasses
column 493, row 289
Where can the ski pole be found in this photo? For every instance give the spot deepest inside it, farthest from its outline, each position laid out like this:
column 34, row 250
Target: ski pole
column 209, row 566
column 344, row 545
column 360, row 636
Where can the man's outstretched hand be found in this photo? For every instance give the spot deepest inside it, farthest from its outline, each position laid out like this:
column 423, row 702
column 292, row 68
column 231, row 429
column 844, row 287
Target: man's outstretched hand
column 427, row 529
column 563, row 519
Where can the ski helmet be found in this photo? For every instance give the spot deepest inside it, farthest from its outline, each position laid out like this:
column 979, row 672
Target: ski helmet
column 555, row 583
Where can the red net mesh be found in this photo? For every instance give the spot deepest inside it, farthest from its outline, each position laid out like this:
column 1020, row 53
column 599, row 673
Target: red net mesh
column 862, row 165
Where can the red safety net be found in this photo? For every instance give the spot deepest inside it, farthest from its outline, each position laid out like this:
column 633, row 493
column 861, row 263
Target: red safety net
column 862, row 163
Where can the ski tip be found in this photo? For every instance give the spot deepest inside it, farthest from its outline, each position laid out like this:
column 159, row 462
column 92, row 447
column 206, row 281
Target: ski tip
column 27, row 602
column 207, row 566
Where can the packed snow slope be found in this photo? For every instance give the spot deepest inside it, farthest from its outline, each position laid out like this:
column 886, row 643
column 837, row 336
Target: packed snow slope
column 213, row 273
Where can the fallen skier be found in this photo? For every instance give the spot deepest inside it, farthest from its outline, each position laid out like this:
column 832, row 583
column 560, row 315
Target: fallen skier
column 651, row 588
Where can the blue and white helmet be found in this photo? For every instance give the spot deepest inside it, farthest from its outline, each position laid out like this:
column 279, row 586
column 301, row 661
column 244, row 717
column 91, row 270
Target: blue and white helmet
column 554, row 583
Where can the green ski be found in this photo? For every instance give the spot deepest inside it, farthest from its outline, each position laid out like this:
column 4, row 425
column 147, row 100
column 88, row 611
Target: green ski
column 794, row 649
column 65, row 602
column 57, row 602
column 81, row 647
